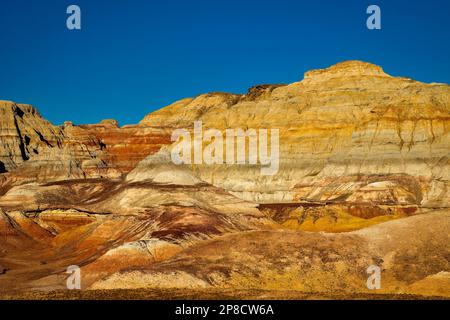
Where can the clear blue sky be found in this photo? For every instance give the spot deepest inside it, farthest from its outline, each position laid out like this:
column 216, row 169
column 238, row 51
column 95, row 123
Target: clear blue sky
column 135, row 56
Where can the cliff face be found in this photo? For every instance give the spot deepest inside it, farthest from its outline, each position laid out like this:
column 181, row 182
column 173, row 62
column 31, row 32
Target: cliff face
column 24, row 133
column 125, row 147
column 34, row 150
column 347, row 133
column 358, row 148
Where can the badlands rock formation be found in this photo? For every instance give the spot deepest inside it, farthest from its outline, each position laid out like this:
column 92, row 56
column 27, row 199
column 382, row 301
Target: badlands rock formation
column 45, row 152
column 347, row 133
column 364, row 156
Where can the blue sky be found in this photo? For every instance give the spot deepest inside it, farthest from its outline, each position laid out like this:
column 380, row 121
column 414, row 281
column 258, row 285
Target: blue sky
column 135, row 56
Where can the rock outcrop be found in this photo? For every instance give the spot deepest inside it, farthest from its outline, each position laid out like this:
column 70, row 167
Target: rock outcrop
column 348, row 133
column 34, row 150
column 363, row 180
column 24, row 134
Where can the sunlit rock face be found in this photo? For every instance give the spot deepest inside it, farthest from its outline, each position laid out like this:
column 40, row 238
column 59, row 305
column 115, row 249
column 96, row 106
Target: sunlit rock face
column 347, row 133
column 358, row 148
column 34, row 150
column 126, row 146
column 24, row 134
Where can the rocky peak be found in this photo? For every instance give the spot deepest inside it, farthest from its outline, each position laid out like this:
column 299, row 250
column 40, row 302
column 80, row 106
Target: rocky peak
column 17, row 109
column 345, row 69
column 24, row 133
column 110, row 123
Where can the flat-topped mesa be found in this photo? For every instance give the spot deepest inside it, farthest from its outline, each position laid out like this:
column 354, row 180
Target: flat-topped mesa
column 346, row 69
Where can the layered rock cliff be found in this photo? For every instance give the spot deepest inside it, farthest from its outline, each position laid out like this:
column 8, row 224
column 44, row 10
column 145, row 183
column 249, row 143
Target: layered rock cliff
column 358, row 148
column 349, row 133
column 34, row 150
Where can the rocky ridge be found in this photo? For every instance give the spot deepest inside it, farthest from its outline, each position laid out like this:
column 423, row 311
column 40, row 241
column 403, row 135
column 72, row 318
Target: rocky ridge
column 358, row 148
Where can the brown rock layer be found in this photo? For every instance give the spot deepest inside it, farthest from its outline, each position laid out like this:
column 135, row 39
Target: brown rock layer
column 358, row 148
column 347, row 133
column 34, row 150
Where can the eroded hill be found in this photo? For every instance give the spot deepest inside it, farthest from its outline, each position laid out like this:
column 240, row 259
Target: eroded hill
column 363, row 180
